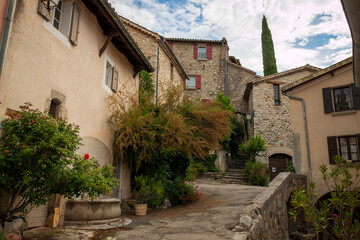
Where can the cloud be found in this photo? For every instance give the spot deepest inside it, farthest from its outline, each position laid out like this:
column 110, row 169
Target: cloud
column 293, row 24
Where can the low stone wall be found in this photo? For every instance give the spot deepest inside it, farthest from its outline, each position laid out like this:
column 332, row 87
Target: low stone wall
column 267, row 217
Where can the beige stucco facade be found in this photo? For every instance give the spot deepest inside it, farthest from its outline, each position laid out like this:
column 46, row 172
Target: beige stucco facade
column 320, row 125
column 3, row 7
column 41, row 65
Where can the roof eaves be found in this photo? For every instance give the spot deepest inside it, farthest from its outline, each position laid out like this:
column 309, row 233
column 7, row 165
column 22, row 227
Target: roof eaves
column 196, row 40
column 243, row 68
column 122, row 28
column 317, row 74
column 177, row 61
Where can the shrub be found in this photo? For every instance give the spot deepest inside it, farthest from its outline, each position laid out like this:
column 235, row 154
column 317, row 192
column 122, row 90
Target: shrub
column 334, row 217
column 38, row 160
column 254, row 147
column 257, row 173
column 289, row 166
column 148, row 190
column 182, row 191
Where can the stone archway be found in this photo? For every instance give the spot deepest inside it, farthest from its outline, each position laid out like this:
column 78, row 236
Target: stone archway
column 277, row 164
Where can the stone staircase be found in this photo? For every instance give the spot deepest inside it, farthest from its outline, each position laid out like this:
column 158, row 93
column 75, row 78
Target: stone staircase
column 236, row 171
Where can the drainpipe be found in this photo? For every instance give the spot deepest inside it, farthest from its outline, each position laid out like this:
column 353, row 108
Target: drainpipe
column 157, row 69
column 6, row 31
column 226, row 73
column 306, row 131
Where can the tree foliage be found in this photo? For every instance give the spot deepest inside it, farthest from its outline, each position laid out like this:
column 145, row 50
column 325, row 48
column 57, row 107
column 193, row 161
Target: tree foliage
column 254, row 147
column 268, row 52
column 176, row 123
column 38, row 160
column 336, row 216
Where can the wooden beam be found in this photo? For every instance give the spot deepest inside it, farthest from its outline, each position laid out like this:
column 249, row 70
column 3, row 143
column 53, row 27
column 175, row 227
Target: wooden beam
column 102, row 50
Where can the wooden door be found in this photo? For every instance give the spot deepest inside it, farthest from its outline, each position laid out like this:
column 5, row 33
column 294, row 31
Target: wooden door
column 277, row 164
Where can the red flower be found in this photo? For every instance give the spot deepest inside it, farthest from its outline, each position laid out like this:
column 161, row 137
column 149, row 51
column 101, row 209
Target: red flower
column 86, row 156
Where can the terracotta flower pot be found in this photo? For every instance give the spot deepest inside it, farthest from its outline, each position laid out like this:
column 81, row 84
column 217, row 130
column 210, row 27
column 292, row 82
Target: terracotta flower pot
column 140, row 209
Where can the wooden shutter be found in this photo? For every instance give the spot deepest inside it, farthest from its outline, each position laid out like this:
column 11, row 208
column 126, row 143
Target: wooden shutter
column 355, row 91
column 205, row 100
column 115, row 79
column 358, row 140
column 209, row 52
column 170, row 45
column 185, row 83
column 332, row 147
column 198, row 81
column 43, row 11
column 327, row 98
column 195, row 51
column 74, row 28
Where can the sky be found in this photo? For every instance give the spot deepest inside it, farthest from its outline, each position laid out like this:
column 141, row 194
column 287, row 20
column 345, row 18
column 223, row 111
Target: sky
column 311, row 32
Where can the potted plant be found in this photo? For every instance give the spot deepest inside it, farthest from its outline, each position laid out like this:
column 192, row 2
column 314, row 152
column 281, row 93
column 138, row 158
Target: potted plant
column 142, row 192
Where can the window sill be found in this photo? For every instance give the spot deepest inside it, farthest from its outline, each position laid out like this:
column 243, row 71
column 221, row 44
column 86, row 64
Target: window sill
column 57, row 33
column 202, row 59
column 191, row 88
column 343, row 113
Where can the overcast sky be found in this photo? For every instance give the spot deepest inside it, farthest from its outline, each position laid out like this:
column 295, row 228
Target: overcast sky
column 303, row 31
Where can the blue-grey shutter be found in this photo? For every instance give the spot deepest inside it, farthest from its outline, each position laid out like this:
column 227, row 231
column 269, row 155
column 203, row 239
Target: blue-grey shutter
column 327, row 98
column 74, row 28
column 332, row 147
column 355, row 91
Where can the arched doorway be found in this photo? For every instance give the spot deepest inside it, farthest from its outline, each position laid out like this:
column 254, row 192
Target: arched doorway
column 277, row 164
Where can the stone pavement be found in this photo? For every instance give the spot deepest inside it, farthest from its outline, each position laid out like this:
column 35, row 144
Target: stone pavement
column 212, row 217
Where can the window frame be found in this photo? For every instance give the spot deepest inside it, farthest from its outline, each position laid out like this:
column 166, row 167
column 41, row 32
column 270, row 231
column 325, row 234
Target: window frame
column 348, row 146
column 204, row 53
column 187, row 81
column 343, row 99
column 107, row 60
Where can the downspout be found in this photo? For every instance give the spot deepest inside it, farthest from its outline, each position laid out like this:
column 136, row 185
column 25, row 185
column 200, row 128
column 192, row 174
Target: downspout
column 6, row 31
column 306, row 131
column 226, row 73
column 157, row 70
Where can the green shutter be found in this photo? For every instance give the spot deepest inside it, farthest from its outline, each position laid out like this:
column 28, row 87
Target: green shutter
column 327, row 98
column 355, row 91
column 332, row 147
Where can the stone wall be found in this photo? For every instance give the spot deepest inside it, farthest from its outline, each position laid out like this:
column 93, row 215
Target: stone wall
column 272, row 122
column 212, row 71
column 238, row 77
column 267, row 216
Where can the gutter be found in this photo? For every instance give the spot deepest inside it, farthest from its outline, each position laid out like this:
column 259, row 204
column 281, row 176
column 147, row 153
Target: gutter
column 157, row 70
column 306, row 131
column 6, row 32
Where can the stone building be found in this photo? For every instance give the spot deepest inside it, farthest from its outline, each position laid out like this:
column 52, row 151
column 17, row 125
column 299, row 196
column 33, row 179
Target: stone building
column 332, row 108
column 270, row 117
column 66, row 60
column 168, row 69
column 211, row 70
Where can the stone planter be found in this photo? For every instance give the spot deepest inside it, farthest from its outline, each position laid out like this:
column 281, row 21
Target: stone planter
column 140, row 209
column 100, row 211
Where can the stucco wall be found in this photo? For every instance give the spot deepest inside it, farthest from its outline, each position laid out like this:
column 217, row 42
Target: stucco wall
column 149, row 44
column 272, row 122
column 39, row 62
column 321, row 125
column 212, row 71
column 3, row 6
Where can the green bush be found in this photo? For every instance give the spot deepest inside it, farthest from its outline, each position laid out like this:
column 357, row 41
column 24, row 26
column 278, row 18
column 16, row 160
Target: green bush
column 254, row 147
column 257, row 173
column 181, row 191
column 289, row 166
column 149, row 190
column 38, row 160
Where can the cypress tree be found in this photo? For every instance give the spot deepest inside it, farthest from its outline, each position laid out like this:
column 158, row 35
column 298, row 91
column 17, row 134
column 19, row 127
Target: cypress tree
column 268, row 53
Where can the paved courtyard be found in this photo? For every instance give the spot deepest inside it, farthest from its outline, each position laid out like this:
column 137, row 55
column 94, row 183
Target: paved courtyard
column 211, row 218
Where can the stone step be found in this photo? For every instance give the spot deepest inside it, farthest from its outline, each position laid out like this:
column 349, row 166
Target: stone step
column 235, row 178
column 235, row 175
column 228, row 181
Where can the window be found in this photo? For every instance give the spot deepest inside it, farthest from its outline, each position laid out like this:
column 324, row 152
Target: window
column 191, row 82
column 203, row 52
column 111, row 76
column 55, row 108
column 349, row 148
column 341, row 98
column 64, row 16
column 345, row 146
column 276, row 94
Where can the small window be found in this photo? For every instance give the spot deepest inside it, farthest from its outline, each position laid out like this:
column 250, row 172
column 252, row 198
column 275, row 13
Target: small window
column 191, row 82
column 276, row 94
column 349, row 148
column 342, row 99
column 202, row 52
column 111, row 76
column 55, row 108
